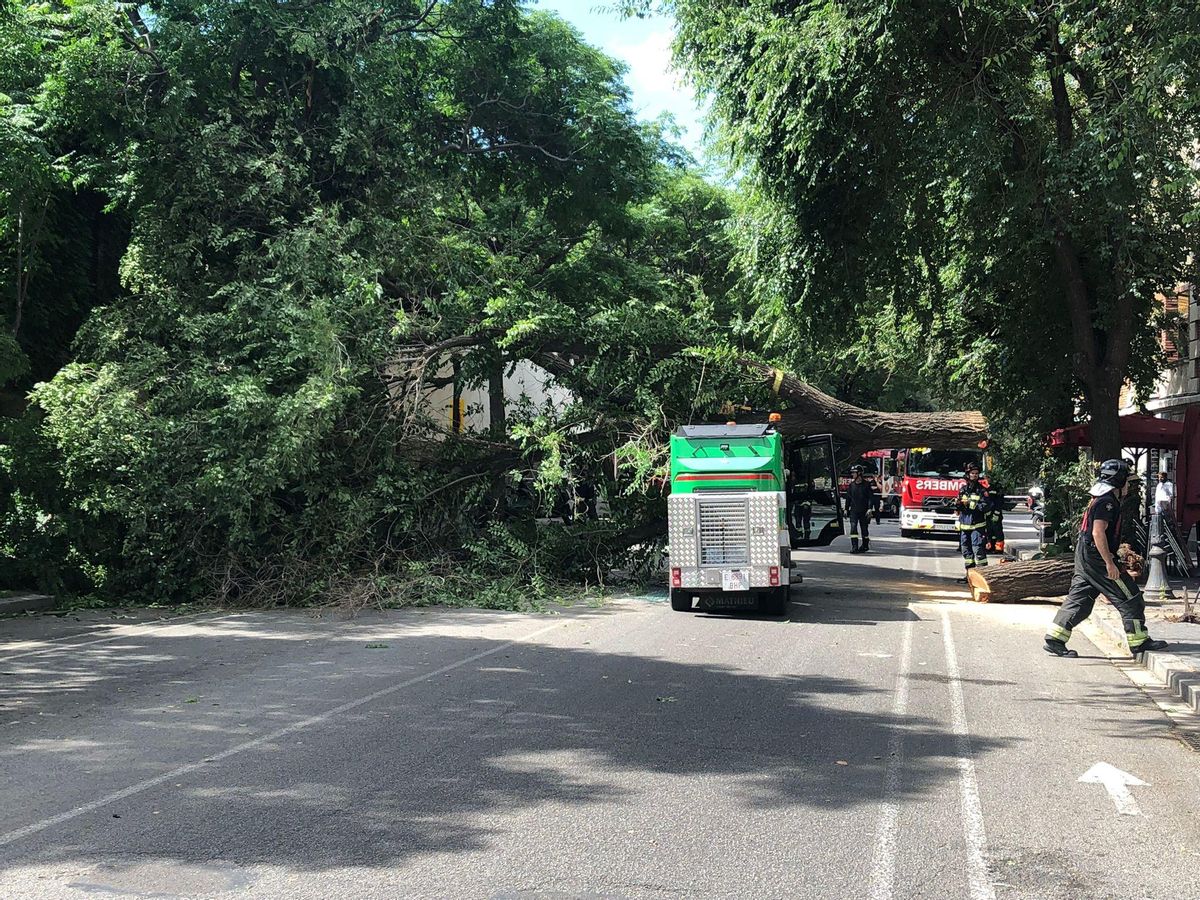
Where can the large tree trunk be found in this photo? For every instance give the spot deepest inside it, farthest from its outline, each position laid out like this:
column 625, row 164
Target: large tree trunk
column 811, row 411
column 1008, row 582
column 1105, row 418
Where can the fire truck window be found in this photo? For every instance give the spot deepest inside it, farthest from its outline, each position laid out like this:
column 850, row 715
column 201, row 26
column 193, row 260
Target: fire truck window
column 941, row 463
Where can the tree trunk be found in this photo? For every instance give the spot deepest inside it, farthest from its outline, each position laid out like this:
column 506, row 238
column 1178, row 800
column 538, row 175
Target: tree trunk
column 497, row 428
column 1105, row 427
column 497, row 413
column 1009, row 582
column 811, row 411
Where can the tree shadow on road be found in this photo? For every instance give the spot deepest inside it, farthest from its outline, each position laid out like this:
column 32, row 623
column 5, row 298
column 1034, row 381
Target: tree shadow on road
column 523, row 734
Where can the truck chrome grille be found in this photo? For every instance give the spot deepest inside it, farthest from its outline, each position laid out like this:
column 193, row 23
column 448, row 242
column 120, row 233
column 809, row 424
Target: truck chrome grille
column 724, row 532
column 938, row 504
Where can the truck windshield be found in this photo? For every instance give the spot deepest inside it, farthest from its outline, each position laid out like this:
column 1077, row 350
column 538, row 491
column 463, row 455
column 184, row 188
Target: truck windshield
column 946, row 463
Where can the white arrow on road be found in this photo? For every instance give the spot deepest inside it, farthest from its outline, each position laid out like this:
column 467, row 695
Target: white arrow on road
column 1117, row 783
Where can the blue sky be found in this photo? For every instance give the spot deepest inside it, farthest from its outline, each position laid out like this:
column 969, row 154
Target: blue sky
column 644, row 45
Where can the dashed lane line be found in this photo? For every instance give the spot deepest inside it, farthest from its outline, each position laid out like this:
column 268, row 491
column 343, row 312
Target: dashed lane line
column 143, row 786
column 883, row 861
column 978, row 881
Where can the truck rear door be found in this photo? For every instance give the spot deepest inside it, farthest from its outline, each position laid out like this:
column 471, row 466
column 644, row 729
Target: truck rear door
column 814, row 513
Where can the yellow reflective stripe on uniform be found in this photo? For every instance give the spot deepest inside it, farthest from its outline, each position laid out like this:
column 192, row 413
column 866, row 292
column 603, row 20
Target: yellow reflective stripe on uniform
column 1124, row 588
column 981, row 562
column 962, row 527
column 1058, row 632
column 1138, row 636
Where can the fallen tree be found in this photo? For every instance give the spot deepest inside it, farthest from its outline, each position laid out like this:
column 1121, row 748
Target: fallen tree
column 810, row 411
column 806, row 409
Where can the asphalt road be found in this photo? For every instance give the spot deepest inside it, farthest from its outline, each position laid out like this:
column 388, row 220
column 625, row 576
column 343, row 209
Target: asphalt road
column 886, row 739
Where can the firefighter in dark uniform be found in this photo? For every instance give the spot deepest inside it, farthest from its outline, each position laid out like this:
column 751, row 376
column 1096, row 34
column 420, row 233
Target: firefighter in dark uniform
column 804, row 510
column 859, row 498
column 995, row 518
column 800, row 508
column 972, row 508
column 1096, row 569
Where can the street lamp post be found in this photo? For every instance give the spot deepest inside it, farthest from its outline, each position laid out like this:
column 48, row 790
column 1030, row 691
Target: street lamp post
column 1157, row 587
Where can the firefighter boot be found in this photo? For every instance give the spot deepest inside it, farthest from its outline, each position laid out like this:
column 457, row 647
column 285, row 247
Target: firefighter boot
column 1148, row 644
column 1055, row 647
column 866, row 545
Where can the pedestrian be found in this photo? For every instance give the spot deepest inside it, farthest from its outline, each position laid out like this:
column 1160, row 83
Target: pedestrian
column 1097, row 570
column 972, row 508
column 858, row 507
column 1164, row 497
column 1164, row 507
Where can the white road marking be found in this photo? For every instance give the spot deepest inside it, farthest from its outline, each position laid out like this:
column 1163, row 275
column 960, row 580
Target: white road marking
column 303, row 724
column 127, row 632
column 883, row 861
column 978, row 882
column 939, row 562
column 1117, row 783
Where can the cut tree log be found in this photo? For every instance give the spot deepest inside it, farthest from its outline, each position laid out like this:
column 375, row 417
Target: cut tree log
column 811, row 411
column 1009, row 582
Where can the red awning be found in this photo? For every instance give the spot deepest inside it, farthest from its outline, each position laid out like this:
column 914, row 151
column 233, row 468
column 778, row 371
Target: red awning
column 1137, row 430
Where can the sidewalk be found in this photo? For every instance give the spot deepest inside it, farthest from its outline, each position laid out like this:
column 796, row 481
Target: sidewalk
column 12, row 603
column 1178, row 667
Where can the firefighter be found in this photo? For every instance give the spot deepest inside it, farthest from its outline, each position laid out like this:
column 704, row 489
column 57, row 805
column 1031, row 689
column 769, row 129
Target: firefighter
column 858, row 508
column 801, row 508
column 995, row 518
column 972, row 508
column 805, row 509
column 1097, row 571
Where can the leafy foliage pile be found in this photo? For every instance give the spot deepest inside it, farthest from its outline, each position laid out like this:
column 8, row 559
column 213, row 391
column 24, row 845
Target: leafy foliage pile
column 323, row 210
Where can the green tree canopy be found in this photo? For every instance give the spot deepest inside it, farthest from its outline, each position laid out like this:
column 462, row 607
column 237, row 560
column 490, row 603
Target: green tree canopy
column 332, row 207
column 1003, row 186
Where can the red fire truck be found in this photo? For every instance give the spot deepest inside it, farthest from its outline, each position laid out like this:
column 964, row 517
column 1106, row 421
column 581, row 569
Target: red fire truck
column 930, row 481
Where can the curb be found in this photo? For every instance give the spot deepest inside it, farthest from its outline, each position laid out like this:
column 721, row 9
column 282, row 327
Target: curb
column 26, row 603
column 1180, row 677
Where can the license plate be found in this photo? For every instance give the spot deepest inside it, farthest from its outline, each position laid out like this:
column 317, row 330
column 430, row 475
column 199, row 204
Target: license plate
column 735, row 580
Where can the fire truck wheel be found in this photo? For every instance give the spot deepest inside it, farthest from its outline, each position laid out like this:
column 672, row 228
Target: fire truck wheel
column 681, row 601
column 774, row 602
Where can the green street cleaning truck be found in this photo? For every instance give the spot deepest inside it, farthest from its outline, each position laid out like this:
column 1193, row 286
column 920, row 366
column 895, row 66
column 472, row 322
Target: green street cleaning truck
column 741, row 501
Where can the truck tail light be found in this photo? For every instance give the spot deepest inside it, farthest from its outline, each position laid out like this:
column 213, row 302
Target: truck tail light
column 774, row 576
column 676, row 578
